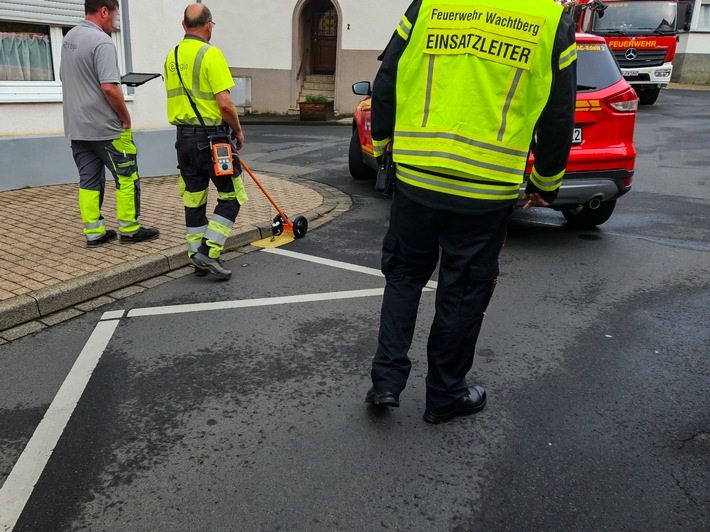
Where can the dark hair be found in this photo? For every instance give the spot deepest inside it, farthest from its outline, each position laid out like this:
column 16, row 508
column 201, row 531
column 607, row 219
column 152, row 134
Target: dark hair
column 203, row 18
column 94, row 6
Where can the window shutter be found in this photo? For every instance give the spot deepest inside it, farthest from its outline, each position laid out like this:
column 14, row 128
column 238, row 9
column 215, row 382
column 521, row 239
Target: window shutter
column 59, row 12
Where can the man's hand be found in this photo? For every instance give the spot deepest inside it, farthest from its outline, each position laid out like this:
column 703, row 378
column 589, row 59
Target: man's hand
column 534, row 200
column 114, row 96
column 238, row 136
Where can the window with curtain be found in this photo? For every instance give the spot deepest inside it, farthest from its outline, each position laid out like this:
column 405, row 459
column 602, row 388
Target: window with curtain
column 31, row 34
column 25, row 53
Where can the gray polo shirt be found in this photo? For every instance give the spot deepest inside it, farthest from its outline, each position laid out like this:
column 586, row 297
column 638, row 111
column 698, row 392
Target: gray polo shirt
column 89, row 59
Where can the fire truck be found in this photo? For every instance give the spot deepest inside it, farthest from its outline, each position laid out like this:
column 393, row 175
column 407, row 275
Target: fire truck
column 642, row 34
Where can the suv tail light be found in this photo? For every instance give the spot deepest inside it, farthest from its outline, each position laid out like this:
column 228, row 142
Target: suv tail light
column 626, row 102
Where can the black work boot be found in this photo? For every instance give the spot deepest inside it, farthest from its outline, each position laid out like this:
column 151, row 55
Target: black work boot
column 108, row 236
column 144, row 234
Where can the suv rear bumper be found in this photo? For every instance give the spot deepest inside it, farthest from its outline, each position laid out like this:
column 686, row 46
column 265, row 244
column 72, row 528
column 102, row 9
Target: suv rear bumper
column 578, row 188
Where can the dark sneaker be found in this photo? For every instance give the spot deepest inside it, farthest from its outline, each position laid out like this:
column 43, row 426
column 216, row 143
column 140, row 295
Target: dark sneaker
column 144, row 234
column 108, row 236
column 214, row 266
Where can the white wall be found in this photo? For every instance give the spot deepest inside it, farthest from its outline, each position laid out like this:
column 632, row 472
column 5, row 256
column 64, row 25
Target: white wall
column 155, row 29
column 251, row 33
column 260, row 35
column 695, row 43
column 372, row 22
column 27, row 119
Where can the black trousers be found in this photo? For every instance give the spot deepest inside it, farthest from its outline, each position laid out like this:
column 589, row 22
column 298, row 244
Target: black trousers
column 196, row 171
column 470, row 245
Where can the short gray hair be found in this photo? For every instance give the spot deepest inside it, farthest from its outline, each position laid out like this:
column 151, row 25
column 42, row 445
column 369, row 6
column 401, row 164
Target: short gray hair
column 200, row 20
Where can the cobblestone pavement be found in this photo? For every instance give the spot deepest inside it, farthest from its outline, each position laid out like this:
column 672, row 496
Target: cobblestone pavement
column 47, row 268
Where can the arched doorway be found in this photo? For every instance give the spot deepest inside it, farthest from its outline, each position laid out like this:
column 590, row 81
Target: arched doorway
column 316, row 49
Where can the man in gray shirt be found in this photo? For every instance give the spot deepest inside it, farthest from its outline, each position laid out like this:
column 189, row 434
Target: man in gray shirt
column 98, row 124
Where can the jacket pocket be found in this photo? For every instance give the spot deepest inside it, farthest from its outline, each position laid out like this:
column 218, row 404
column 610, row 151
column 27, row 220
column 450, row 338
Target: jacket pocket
column 124, row 143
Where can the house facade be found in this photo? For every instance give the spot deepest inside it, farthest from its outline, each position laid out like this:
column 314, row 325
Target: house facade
column 271, row 45
column 280, row 51
column 692, row 61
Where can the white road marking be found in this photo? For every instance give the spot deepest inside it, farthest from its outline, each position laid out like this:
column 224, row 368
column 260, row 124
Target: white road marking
column 112, row 314
column 333, row 263
column 305, row 298
column 325, row 262
column 19, row 484
column 244, row 303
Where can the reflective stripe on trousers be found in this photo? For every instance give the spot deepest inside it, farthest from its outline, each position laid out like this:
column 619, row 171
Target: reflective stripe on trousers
column 196, row 171
column 119, row 156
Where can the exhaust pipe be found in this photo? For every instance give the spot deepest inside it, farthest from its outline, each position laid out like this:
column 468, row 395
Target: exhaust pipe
column 594, row 203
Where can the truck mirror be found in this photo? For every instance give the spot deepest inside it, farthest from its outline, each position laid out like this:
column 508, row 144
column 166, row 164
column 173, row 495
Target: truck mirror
column 599, row 7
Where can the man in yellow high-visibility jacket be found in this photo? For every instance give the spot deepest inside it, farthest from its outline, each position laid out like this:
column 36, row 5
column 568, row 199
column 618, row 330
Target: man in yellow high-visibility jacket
column 463, row 87
column 198, row 70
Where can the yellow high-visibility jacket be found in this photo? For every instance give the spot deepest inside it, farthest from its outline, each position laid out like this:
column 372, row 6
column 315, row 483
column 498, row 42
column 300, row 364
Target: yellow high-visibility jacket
column 461, row 90
column 204, row 72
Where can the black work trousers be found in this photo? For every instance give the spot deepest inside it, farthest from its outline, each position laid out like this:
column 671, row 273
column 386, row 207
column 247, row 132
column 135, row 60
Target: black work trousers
column 196, row 171
column 470, row 245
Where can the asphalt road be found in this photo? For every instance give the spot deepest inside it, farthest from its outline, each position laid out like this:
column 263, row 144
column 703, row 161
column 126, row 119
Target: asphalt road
column 249, row 416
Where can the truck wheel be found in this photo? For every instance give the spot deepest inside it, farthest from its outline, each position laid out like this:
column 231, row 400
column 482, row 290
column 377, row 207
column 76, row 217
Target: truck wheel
column 584, row 217
column 358, row 169
column 648, row 96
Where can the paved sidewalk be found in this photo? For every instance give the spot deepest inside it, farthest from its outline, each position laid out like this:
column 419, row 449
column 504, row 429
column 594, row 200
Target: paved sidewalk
column 689, row 87
column 48, row 275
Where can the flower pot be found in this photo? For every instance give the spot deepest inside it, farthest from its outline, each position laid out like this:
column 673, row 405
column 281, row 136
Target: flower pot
column 316, row 110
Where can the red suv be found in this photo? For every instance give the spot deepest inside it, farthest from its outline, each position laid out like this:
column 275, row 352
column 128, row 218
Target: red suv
column 601, row 162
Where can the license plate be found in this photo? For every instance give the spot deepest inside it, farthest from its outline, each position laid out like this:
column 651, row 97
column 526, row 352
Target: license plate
column 577, row 135
column 627, row 72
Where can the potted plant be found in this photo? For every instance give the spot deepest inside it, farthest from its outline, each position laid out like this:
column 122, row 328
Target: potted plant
column 316, row 108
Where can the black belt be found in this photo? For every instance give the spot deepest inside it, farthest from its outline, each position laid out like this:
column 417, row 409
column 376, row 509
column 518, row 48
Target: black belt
column 200, row 129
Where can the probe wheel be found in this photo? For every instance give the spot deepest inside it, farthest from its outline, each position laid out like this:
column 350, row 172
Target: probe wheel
column 300, row 226
column 277, row 225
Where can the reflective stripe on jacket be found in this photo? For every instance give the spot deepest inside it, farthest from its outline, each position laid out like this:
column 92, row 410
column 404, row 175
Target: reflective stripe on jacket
column 204, row 72
column 472, row 79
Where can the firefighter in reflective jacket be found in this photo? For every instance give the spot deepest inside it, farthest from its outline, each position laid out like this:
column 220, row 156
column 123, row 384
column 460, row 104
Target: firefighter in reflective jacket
column 462, row 88
column 198, row 69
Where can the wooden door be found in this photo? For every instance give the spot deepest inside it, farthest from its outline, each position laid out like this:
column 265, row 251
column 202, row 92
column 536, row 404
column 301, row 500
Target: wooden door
column 324, row 38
